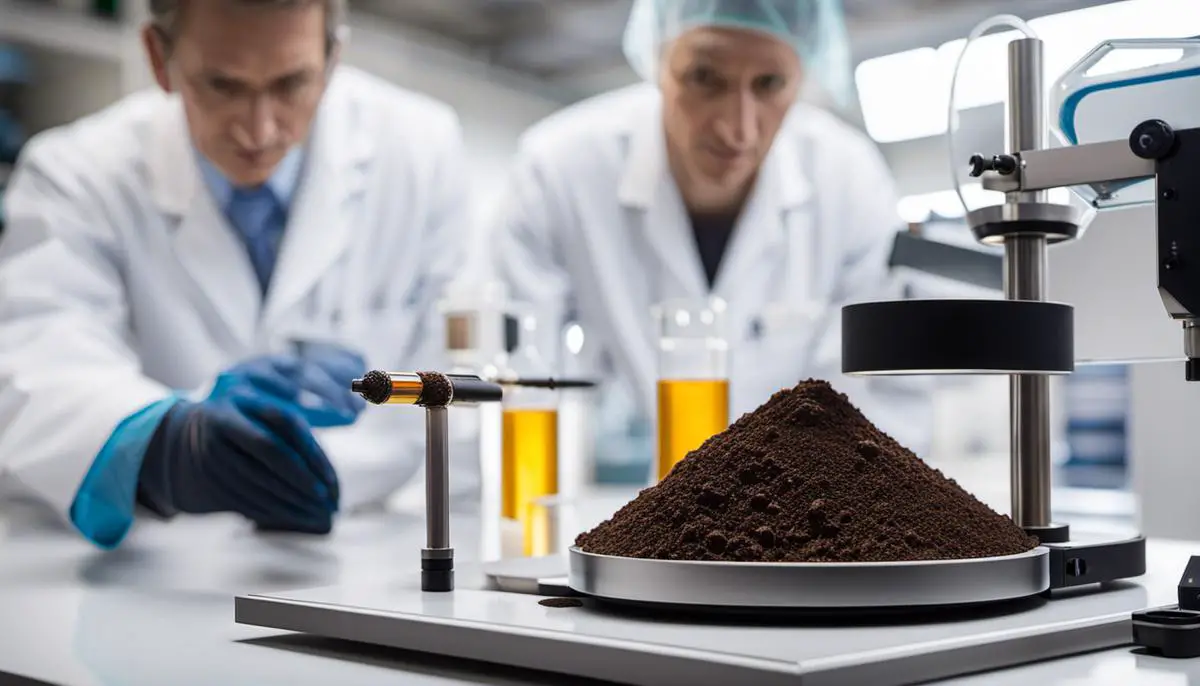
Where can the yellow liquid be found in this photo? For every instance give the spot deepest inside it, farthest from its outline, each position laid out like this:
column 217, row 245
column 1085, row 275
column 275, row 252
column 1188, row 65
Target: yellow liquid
column 530, row 472
column 689, row 413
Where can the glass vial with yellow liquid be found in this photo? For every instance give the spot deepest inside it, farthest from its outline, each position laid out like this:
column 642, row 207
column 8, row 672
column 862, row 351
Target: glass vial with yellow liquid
column 530, row 455
column 475, row 318
column 693, row 378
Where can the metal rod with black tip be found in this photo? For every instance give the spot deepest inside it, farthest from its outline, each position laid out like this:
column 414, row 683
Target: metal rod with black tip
column 435, row 392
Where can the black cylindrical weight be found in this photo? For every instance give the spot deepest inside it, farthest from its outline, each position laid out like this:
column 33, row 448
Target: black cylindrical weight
column 958, row 337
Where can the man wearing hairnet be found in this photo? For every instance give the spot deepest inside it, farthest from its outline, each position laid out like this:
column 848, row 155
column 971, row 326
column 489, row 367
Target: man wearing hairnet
column 713, row 179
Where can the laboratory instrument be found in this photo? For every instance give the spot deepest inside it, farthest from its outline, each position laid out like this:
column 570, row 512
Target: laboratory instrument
column 1024, row 335
column 479, row 333
column 436, row 392
column 530, row 451
column 693, row 377
column 540, row 474
column 489, row 335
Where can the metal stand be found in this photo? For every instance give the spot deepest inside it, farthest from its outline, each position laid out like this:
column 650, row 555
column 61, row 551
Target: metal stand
column 1026, row 224
column 437, row 558
column 1025, row 279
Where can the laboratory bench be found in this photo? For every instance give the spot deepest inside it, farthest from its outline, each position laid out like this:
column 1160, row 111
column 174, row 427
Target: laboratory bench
column 161, row 608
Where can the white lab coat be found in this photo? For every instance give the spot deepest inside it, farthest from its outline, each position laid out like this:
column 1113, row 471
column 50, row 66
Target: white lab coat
column 595, row 231
column 120, row 279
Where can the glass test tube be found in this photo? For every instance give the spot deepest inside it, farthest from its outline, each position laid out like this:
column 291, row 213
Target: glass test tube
column 474, row 316
column 693, row 378
column 530, row 439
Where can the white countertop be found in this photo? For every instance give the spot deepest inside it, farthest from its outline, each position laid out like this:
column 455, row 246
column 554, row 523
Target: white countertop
column 160, row 610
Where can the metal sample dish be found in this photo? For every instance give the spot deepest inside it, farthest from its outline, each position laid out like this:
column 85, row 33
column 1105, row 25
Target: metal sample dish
column 810, row 585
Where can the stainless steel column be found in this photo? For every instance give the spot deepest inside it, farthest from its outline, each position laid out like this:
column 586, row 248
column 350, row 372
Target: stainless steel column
column 437, row 478
column 1025, row 279
column 1026, row 105
column 1029, row 394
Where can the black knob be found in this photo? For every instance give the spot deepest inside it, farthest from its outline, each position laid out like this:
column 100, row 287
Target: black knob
column 1005, row 164
column 979, row 165
column 1153, row 139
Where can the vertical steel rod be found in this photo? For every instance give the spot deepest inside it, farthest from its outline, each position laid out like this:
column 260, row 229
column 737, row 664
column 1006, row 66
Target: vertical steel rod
column 437, row 478
column 1025, row 279
column 1027, row 106
column 1029, row 394
column 437, row 559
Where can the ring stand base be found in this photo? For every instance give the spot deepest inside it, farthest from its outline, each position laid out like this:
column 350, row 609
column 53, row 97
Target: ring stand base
column 1079, row 563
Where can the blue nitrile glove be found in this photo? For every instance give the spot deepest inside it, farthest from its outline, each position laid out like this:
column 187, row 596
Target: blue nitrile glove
column 247, row 451
column 318, row 382
column 340, row 365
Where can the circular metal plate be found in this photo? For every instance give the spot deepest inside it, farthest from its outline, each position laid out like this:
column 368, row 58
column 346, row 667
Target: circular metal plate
column 815, row 585
column 958, row 337
column 1056, row 222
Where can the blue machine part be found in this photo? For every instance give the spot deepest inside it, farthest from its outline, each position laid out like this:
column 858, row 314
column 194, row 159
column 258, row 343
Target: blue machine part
column 1154, row 79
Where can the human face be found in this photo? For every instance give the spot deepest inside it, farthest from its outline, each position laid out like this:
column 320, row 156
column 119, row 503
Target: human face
column 250, row 79
column 726, row 93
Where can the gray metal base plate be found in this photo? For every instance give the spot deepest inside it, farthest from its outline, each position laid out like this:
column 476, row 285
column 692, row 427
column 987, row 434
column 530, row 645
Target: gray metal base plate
column 602, row 642
column 826, row 586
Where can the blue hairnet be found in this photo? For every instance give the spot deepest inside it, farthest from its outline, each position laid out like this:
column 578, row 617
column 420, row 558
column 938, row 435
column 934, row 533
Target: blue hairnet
column 816, row 29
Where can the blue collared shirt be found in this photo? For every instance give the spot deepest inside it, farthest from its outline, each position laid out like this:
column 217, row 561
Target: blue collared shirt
column 283, row 181
column 282, row 184
column 103, row 507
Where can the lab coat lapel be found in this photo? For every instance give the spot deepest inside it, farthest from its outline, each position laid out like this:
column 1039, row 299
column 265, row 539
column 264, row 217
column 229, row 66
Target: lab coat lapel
column 648, row 188
column 203, row 242
column 321, row 220
column 759, row 266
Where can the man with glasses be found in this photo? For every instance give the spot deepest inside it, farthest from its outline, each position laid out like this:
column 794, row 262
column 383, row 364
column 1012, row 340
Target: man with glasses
column 191, row 277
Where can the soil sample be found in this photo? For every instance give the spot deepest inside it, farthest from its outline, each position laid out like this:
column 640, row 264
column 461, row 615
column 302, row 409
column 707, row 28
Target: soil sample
column 560, row 602
column 805, row 478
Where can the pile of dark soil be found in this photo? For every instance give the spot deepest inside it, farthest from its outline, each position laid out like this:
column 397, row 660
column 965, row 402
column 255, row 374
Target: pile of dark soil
column 805, row 478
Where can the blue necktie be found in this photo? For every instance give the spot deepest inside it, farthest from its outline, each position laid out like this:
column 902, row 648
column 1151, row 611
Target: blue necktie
column 257, row 216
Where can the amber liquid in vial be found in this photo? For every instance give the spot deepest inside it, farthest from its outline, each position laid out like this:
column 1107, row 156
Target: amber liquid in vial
column 530, row 472
column 689, row 413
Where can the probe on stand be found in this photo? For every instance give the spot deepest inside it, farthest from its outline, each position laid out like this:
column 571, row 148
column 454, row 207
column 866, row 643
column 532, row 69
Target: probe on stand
column 1025, row 336
column 436, row 392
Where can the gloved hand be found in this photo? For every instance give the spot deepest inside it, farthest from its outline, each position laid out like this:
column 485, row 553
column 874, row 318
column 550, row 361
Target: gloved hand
column 248, row 447
column 317, row 381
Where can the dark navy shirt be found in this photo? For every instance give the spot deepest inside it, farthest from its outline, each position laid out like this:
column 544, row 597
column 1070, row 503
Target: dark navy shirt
column 712, row 234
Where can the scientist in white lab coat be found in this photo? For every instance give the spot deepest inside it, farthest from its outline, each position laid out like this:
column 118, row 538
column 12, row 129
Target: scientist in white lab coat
column 191, row 277
column 714, row 179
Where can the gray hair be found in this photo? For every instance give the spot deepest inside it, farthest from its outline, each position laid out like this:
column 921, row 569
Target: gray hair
column 164, row 14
